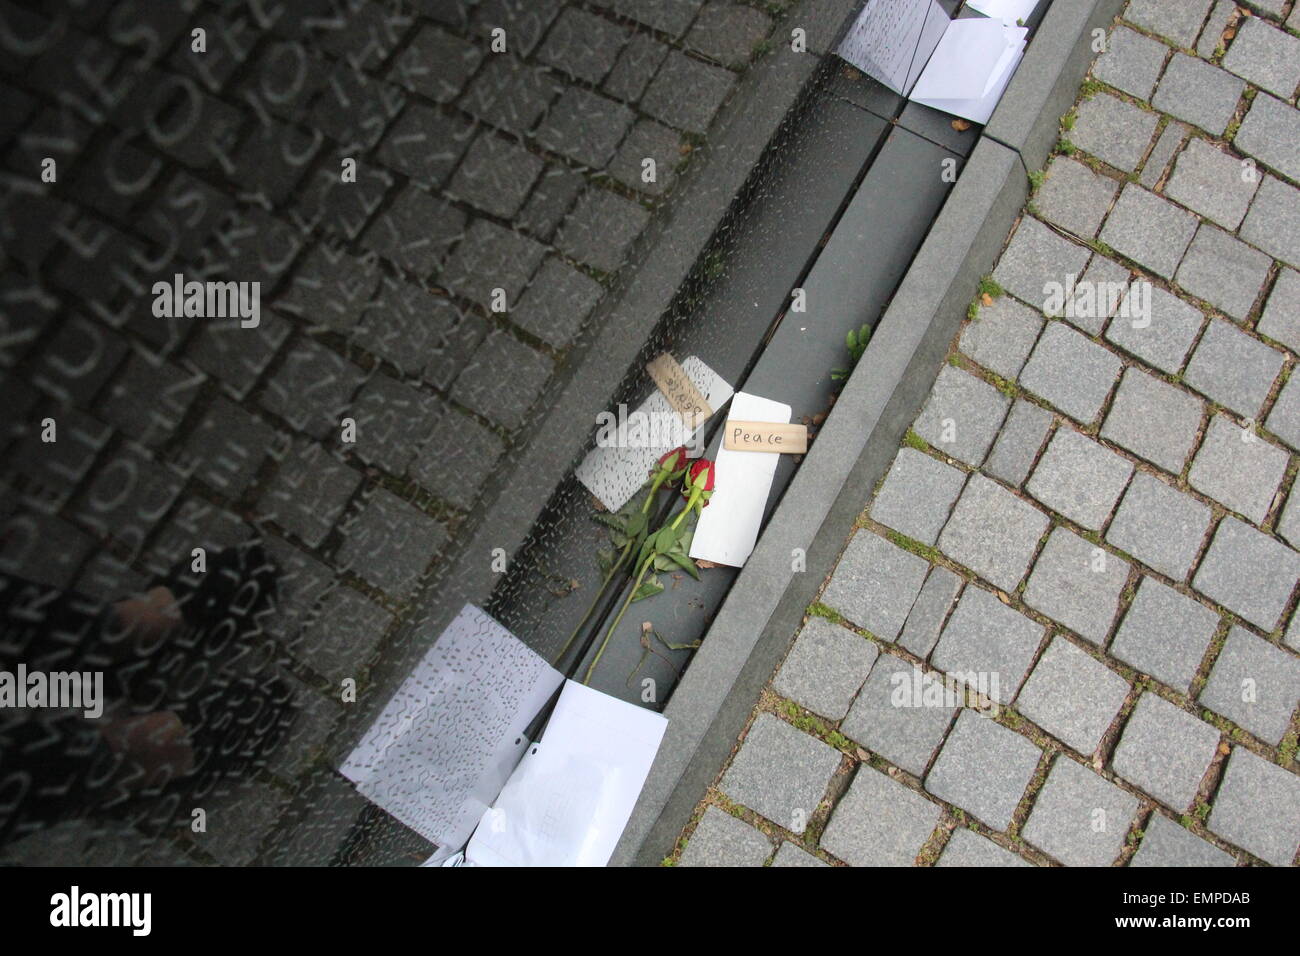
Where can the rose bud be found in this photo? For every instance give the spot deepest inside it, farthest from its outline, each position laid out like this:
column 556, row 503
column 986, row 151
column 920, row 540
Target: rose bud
column 673, row 462
column 700, row 477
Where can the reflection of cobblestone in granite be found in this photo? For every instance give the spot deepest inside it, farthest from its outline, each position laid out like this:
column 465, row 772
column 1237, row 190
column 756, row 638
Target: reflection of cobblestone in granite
column 476, row 171
column 1114, row 497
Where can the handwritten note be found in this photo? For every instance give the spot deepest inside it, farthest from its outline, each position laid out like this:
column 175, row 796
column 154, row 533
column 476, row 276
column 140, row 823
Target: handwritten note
column 680, row 391
column 765, row 436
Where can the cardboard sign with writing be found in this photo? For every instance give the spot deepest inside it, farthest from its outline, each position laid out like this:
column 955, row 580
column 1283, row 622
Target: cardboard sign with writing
column 680, row 391
column 784, row 439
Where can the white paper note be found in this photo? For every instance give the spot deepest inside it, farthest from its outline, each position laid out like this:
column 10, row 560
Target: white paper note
column 444, row 745
column 1009, row 12
column 971, row 68
column 614, row 471
column 728, row 528
column 570, row 797
column 891, row 40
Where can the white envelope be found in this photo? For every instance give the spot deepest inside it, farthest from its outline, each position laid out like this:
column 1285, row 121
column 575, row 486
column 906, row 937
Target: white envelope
column 728, row 529
column 970, row 68
column 1009, row 12
column 614, row 473
column 569, row 799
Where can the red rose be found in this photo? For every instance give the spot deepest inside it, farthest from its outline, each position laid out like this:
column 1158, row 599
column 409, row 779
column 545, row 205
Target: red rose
column 673, row 461
column 700, row 477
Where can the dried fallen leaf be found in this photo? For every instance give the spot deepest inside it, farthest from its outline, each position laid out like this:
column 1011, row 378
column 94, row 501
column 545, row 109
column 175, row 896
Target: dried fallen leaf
column 862, row 754
column 986, row 299
column 960, row 125
column 1224, row 749
column 819, row 418
column 1229, row 33
column 1002, row 596
column 701, row 563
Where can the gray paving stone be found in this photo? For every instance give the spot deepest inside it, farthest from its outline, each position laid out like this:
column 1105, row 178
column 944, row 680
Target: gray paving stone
column 1284, row 418
column 723, row 840
column 1097, row 295
column 1265, row 56
column 930, row 610
column 236, row 356
column 457, row 459
column 1249, row 573
column 345, row 634
column 552, row 198
column 312, row 388
column 1274, row 7
column 787, row 854
column 648, row 140
column 436, row 64
column 393, row 422
column 993, row 532
column 1198, row 93
column 1165, row 634
column 636, row 66
column 1171, row 138
column 227, row 447
column 495, row 175
column 879, row 822
column 825, row 668
column 1180, row 22
column 984, row 769
column 1281, row 317
column 1036, row 257
column 892, row 720
column 962, row 415
column 601, row 228
column 875, row 583
column 583, row 45
column 1071, row 372
column 1273, row 223
column 686, row 93
column 149, row 399
column 1113, row 130
column 1080, row 818
column 1254, row 684
column 1288, row 525
column 1074, row 197
column 557, row 302
column 1077, row 584
column 1258, row 808
column 1160, row 526
column 425, row 145
column 1131, row 62
column 667, row 16
column 917, row 495
column 1018, row 443
column 780, row 773
column 1293, row 21
column 728, row 33
column 1210, row 182
column 1233, row 368
column 585, row 127
column 1238, row 469
column 1165, row 341
column 986, row 637
column 1079, row 478
column 1149, row 230
column 390, row 543
column 1223, row 271
column 525, row 21
column 490, row 257
column 1212, row 36
column 1154, row 420
column 1072, row 696
column 1165, row 751
column 968, row 848
column 1269, row 133
column 1165, row 843
column 481, row 388
column 1001, row 336
column 308, row 493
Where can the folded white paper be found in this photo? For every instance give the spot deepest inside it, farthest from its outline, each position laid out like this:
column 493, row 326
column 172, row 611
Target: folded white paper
column 960, row 66
column 728, row 528
column 624, row 455
column 1010, row 12
column 445, row 744
column 970, row 68
column 569, row 799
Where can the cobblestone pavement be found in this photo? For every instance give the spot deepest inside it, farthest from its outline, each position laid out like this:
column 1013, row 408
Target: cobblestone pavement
column 484, row 179
column 1093, row 520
